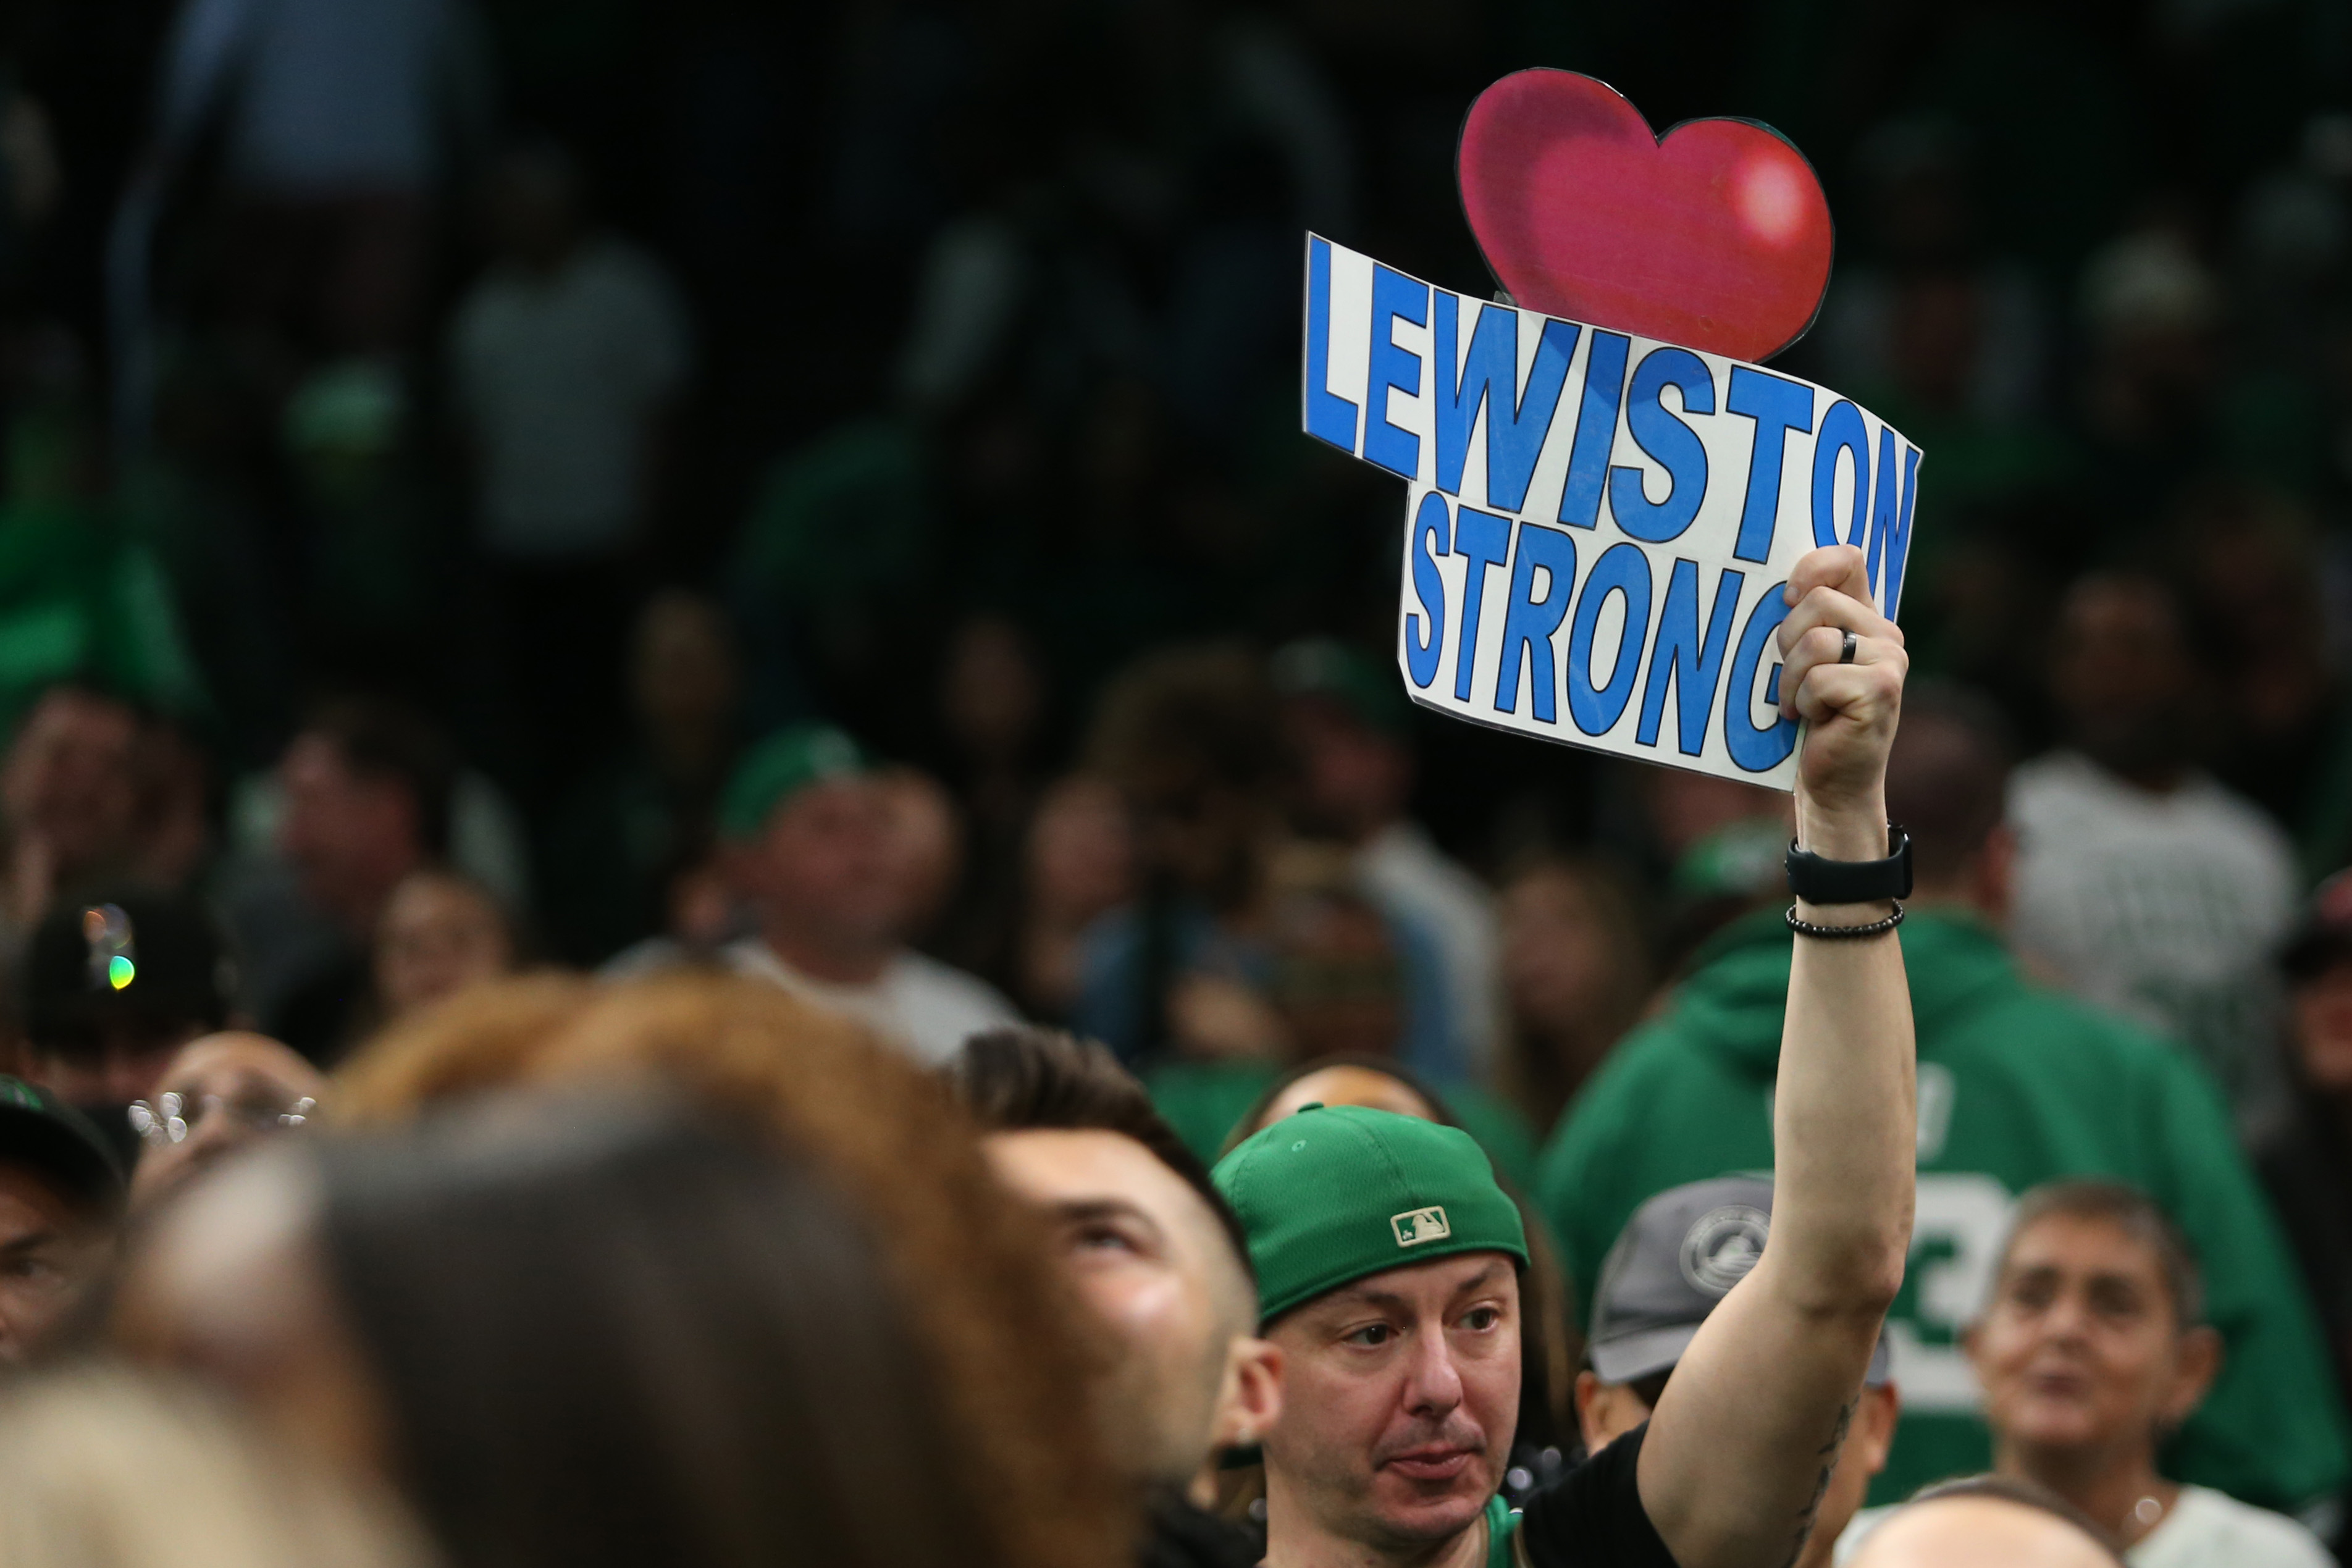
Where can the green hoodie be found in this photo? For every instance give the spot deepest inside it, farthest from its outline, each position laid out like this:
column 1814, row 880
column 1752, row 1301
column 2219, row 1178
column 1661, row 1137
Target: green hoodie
column 2017, row 1086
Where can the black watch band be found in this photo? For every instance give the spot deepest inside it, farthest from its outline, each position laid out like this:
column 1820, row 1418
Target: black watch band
column 1819, row 881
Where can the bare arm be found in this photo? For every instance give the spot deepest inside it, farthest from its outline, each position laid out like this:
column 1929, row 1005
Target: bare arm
column 1744, row 1435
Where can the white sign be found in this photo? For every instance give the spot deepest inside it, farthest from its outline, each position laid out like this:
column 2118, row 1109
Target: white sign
column 1598, row 526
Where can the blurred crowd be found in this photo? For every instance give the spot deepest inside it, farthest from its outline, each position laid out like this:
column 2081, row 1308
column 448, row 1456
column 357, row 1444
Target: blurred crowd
column 516, row 505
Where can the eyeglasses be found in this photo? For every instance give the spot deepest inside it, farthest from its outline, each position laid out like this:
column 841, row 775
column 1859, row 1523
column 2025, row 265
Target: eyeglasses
column 172, row 1117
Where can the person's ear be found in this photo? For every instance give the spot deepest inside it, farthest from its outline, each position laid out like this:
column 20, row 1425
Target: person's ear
column 2197, row 1362
column 1873, row 1427
column 1250, row 1401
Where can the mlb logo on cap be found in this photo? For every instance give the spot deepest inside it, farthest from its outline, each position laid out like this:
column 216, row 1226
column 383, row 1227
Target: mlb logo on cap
column 1415, row 1225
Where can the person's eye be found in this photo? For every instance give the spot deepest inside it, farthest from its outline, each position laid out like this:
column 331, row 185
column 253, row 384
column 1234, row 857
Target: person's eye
column 30, row 1268
column 1371, row 1336
column 1478, row 1320
column 1102, row 1238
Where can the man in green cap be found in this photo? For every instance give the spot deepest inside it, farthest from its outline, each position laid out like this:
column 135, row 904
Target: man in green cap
column 1388, row 1258
column 61, row 1197
column 806, row 836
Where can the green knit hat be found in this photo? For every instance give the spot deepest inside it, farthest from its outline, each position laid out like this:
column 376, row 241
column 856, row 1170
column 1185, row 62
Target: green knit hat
column 1335, row 1193
column 780, row 768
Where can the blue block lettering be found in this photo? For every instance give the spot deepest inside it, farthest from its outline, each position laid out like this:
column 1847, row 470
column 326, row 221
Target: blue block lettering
column 1432, row 522
column 1841, row 433
column 1753, row 749
column 1596, row 429
column 1394, row 295
column 1777, row 405
column 1481, row 539
column 1897, row 542
column 1622, row 568
column 1692, row 662
column 1516, row 421
column 1666, row 437
column 1330, row 417
column 1531, row 621
column 1890, row 513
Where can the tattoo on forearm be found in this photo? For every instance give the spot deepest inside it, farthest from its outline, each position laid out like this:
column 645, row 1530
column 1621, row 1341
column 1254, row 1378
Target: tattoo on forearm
column 1828, row 1455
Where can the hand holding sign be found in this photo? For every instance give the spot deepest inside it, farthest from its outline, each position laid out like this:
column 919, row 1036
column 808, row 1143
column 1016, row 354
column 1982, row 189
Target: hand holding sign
column 1848, row 704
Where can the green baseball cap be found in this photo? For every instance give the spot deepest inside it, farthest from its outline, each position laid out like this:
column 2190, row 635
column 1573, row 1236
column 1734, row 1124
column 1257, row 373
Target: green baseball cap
column 39, row 1130
column 1368, row 691
column 1337, row 1192
column 780, row 766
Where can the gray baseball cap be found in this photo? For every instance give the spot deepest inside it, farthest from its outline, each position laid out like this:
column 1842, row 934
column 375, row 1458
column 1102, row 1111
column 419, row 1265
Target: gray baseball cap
column 1680, row 1254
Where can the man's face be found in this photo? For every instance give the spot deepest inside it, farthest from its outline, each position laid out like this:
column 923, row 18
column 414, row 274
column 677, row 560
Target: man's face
column 438, row 935
column 71, row 779
column 233, row 1089
column 52, row 1249
column 1352, row 779
column 350, row 835
column 1400, row 1396
column 1150, row 1261
column 2080, row 1348
column 2123, row 676
column 824, row 859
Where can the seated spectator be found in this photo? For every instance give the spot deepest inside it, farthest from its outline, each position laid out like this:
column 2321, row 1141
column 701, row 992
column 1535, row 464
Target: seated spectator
column 618, row 845
column 1189, row 739
column 1078, row 864
column 882, row 1131
column 369, row 789
column 218, row 1096
column 567, row 357
column 2017, row 1086
column 1349, row 729
column 993, row 706
column 1153, row 1251
column 923, row 847
column 812, row 852
column 1985, row 1521
column 2306, row 1157
column 441, row 931
column 70, row 788
column 163, row 1475
column 1576, row 973
column 60, row 1209
column 2092, row 1350
column 1681, row 1254
column 1192, row 741
column 2142, row 884
column 587, row 1330
column 111, row 989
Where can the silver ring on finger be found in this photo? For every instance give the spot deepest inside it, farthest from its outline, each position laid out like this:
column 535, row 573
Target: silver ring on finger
column 1845, row 652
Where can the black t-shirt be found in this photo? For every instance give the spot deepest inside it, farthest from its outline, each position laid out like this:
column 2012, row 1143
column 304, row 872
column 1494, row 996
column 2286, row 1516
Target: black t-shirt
column 1592, row 1519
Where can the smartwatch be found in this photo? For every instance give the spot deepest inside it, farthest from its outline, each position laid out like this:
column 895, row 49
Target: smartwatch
column 1819, row 881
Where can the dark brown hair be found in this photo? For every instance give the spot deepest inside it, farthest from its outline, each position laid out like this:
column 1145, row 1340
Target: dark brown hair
column 380, row 738
column 1022, row 1079
column 609, row 1335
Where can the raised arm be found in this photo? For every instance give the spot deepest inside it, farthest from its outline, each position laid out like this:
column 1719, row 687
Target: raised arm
column 1743, row 1437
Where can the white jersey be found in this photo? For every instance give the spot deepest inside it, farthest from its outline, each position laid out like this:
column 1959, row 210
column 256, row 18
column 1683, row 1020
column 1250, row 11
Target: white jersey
column 918, row 1003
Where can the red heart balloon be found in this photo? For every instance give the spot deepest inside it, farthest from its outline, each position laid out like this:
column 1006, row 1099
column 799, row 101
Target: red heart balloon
column 1714, row 235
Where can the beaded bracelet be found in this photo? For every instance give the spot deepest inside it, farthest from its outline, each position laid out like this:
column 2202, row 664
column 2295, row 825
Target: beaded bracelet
column 1844, row 932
